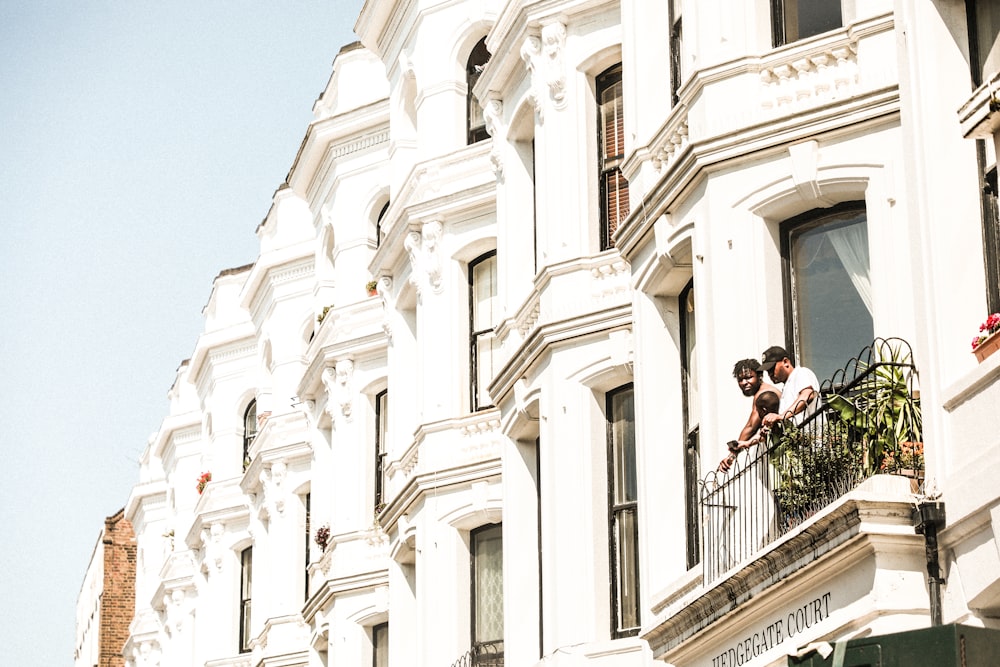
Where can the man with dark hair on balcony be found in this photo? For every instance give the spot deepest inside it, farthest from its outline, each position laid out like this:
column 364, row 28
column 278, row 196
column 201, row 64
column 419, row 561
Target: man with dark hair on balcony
column 800, row 386
column 749, row 378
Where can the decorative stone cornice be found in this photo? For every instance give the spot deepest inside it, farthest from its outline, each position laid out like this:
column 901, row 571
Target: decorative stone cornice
column 821, row 75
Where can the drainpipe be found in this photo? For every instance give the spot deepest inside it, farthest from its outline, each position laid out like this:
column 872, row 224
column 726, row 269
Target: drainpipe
column 928, row 519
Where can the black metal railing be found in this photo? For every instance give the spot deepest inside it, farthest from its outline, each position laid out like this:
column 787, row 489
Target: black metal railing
column 484, row 654
column 865, row 421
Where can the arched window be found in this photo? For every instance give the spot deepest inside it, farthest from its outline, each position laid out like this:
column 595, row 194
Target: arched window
column 614, row 188
column 249, row 432
column 828, row 293
column 378, row 224
column 475, row 121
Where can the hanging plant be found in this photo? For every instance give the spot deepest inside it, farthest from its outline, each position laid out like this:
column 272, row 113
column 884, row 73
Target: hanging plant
column 323, row 537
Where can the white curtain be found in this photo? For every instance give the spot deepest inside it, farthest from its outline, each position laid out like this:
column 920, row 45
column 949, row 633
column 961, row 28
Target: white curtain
column 851, row 245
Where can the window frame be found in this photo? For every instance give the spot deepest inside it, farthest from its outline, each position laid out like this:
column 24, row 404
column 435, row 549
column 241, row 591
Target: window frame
column 378, row 223
column 476, row 335
column 307, row 508
column 380, row 640
column 779, row 27
column 609, row 165
column 246, row 592
column 473, row 70
column 478, row 657
column 381, row 439
column 812, row 219
column 249, row 431
column 675, row 19
column 692, row 446
column 989, row 208
column 619, row 508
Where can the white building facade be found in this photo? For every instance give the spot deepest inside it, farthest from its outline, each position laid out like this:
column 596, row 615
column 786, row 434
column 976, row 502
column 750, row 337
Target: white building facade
column 467, row 404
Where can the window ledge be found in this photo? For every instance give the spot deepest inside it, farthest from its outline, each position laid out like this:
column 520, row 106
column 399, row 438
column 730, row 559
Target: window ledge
column 967, row 387
column 979, row 117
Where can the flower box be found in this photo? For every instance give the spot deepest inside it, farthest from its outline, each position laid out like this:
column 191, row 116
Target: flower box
column 989, row 345
column 988, row 340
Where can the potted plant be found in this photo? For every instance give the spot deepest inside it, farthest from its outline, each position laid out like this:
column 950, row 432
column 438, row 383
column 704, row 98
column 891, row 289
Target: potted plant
column 988, row 340
column 323, row 537
column 880, row 409
column 203, row 481
column 372, row 287
column 814, row 465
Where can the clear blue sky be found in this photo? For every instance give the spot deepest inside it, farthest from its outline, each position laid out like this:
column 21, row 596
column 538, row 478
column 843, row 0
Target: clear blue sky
column 140, row 144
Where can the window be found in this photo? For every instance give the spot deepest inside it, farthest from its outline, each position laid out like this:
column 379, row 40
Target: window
column 249, row 432
column 381, row 444
column 483, row 308
column 827, row 286
column 676, row 42
column 475, row 121
column 380, row 645
column 378, row 225
column 793, row 20
column 984, row 39
column 246, row 578
column 486, row 547
column 623, row 512
column 307, row 505
column 984, row 62
column 692, row 421
column 611, row 143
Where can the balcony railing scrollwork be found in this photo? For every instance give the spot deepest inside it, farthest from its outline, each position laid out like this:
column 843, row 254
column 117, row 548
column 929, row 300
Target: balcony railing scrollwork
column 482, row 654
column 866, row 421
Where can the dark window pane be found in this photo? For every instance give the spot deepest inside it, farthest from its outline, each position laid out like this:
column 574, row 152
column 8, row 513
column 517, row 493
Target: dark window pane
column 483, row 311
column 474, row 68
column 627, row 582
column 830, row 290
column 614, row 188
column 623, row 529
column 380, row 645
column 798, row 19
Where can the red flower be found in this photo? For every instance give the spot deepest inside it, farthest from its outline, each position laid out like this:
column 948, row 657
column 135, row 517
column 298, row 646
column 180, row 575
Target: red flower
column 203, row 480
column 991, row 325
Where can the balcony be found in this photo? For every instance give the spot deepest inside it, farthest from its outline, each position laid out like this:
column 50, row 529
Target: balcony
column 865, row 422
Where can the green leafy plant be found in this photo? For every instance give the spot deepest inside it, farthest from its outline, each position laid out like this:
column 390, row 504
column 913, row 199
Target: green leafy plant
column 813, row 467
column 371, row 285
column 880, row 410
column 323, row 313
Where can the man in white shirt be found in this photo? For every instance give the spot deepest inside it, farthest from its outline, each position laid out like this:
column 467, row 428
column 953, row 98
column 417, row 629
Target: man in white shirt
column 799, row 393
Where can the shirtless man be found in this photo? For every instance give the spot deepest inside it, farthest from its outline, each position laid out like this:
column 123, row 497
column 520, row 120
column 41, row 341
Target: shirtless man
column 749, row 377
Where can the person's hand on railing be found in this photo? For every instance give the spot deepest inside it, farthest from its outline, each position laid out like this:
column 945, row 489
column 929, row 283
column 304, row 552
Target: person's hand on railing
column 736, row 446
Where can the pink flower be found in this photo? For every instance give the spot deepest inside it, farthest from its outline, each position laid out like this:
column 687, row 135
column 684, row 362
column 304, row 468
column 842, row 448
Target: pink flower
column 990, row 326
